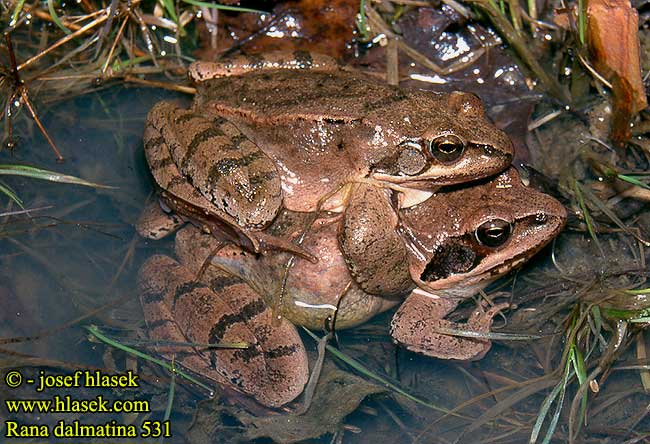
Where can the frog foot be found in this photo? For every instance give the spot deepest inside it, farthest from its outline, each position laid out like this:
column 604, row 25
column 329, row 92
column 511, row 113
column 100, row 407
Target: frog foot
column 156, row 223
column 419, row 326
column 236, row 66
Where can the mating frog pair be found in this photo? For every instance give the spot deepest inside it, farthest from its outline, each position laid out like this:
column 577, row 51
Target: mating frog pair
column 300, row 156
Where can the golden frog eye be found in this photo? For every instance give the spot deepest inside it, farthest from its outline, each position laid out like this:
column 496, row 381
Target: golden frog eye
column 447, row 148
column 411, row 160
column 493, row 233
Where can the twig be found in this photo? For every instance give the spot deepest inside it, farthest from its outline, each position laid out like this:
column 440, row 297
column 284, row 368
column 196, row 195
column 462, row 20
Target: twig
column 112, row 50
column 28, row 103
column 21, row 90
column 155, row 84
column 64, row 40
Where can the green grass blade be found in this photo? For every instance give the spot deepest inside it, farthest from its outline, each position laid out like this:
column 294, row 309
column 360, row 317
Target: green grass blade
column 558, row 409
column 578, row 363
column 119, row 65
column 486, row 335
column 362, row 23
column 93, row 330
column 17, row 9
column 638, row 291
column 171, row 10
column 222, row 7
column 585, row 213
column 170, row 394
column 52, row 176
column 598, row 319
column 543, row 412
column 11, row 195
column 532, row 9
column 55, row 18
column 582, row 21
column 633, row 180
column 627, row 315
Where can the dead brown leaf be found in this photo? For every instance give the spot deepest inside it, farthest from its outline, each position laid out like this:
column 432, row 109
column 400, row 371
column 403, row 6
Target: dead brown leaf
column 319, row 26
column 614, row 44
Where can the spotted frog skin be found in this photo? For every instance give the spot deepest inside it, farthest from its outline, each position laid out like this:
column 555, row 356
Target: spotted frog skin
column 250, row 145
column 442, row 251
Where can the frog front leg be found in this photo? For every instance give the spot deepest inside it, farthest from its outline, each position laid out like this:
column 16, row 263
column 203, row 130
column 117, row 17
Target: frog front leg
column 419, row 323
column 371, row 245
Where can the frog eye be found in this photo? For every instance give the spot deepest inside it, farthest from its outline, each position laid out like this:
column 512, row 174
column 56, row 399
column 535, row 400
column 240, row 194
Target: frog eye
column 447, row 148
column 411, row 160
column 493, row 233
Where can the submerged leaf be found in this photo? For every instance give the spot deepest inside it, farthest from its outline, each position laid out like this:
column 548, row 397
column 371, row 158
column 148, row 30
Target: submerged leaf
column 337, row 395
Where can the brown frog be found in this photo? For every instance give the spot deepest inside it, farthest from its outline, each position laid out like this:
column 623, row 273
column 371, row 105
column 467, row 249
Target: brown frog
column 450, row 245
column 293, row 130
column 483, row 232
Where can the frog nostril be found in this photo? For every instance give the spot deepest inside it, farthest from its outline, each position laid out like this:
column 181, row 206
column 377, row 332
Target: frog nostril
column 541, row 218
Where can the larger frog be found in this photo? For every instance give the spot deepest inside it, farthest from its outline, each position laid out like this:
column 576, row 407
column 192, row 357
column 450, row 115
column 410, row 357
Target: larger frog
column 448, row 248
column 293, row 130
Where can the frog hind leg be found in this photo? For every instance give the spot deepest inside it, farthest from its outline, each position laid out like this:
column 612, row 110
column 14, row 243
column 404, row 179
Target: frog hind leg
column 273, row 369
column 228, row 169
column 418, row 322
column 275, row 60
column 164, row 152
column 175, row 190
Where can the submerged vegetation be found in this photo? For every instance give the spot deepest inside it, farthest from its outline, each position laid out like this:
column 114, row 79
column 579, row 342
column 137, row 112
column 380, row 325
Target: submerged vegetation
column 588, row 309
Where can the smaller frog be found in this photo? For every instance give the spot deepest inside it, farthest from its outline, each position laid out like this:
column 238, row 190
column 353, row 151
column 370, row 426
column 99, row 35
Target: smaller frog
column 483, row 232
column 250, row 146
column 450, row 245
